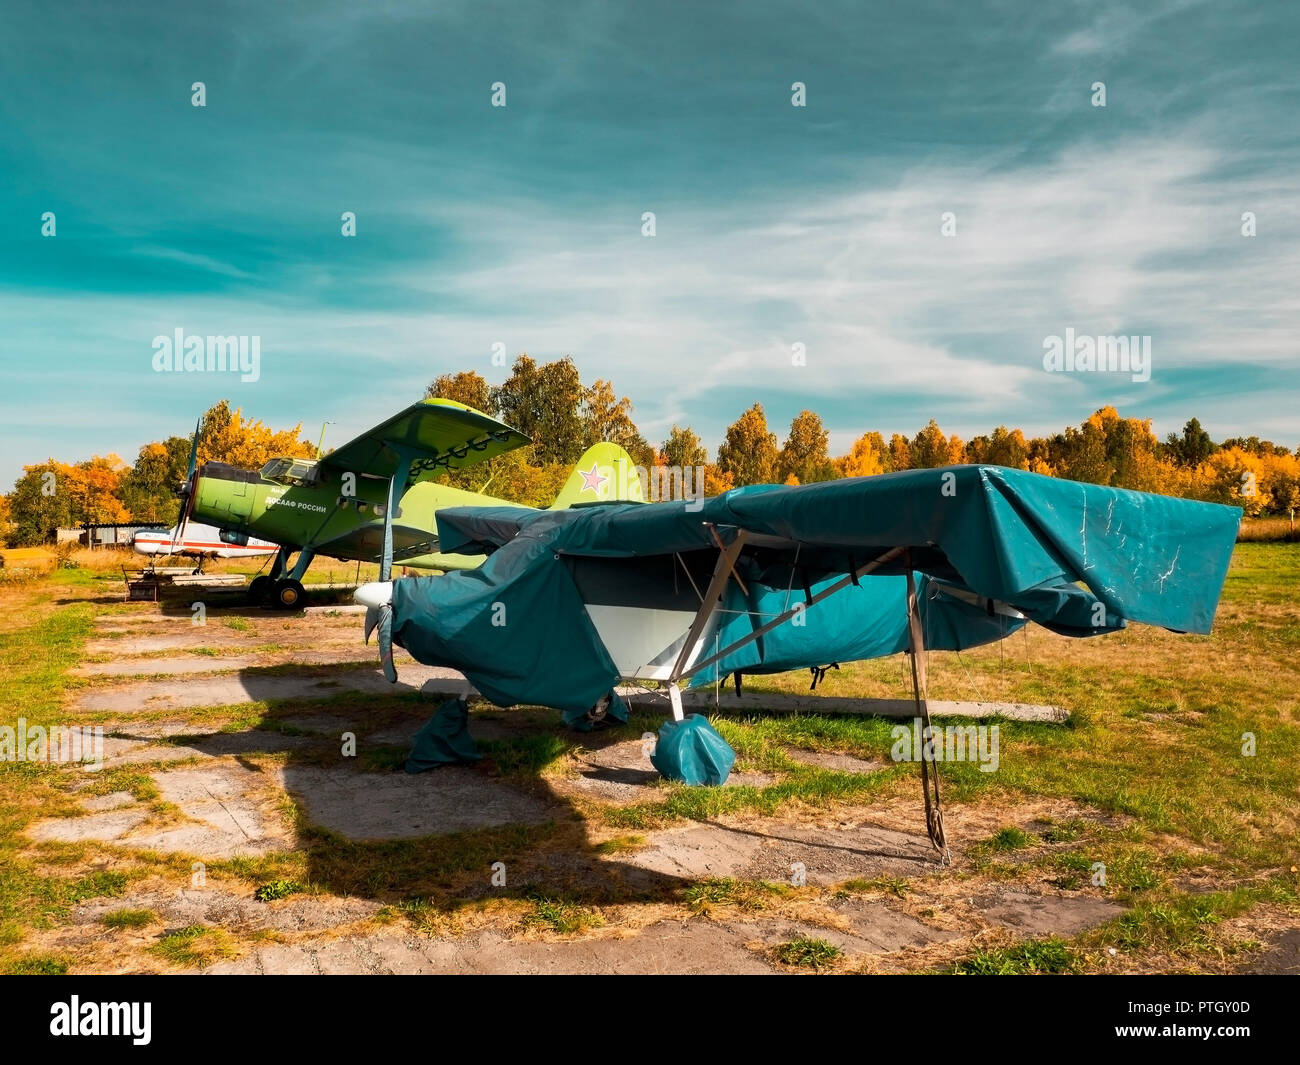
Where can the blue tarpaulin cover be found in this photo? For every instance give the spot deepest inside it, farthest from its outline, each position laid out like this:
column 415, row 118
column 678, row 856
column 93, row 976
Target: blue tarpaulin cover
column 444, row 739
column 692, row 751
column 1080, row 559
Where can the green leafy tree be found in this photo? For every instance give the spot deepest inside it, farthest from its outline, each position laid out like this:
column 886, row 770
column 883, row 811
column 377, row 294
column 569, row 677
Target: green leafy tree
column 1005, row 447
column 929, row 448
column 900, row 452
column 683, row 449
column 805, row 455
column 149, row 488
column 748, row 454
column 1193, row 448
column 606, row 417
column 36, row 514
column 545, row 402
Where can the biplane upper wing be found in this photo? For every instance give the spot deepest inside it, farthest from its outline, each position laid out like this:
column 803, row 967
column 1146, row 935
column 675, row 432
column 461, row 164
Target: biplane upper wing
column 993, row 548
column 435, row 435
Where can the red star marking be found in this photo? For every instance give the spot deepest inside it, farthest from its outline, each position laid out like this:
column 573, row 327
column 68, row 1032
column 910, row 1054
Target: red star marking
column 592, row 478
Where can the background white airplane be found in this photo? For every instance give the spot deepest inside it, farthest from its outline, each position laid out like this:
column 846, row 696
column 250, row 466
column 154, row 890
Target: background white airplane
column 202, row 541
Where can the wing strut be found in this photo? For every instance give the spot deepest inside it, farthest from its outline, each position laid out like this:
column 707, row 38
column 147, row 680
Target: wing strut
column 722, row 569
column 712, row 600
column 786, row 615
column 929, row 770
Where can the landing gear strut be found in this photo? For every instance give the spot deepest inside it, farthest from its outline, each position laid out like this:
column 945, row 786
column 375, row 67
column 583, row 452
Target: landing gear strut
column 281, row 589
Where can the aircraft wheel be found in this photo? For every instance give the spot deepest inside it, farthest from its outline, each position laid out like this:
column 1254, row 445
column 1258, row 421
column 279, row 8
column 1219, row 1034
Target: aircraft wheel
column 288, row 594
column 598, row 715
column 259, row 588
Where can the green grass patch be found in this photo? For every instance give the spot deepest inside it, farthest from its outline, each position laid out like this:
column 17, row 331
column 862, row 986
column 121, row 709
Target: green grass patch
column 620, row 844
column 129, row 919
column 193, row 946
column 558, row 915
column 34, row 965
column 1010, row 839
column 1032, row 958
column 805, row 952
column 277, row 889
column 724, row 892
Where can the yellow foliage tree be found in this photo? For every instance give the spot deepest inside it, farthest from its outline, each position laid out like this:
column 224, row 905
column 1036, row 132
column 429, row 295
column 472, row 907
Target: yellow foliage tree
column 226, row 437
column 865, row 459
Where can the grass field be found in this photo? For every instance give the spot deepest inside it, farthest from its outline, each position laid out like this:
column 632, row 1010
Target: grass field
column 1179, row 770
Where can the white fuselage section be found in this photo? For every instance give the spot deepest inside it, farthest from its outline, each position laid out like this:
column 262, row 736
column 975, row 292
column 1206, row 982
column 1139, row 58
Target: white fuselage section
column 201, row 540
column 644, row 643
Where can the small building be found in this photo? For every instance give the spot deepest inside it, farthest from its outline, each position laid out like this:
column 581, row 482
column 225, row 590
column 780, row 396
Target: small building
column 111, row 534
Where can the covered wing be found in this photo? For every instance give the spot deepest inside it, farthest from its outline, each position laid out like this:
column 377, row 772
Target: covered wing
column 441, row 434
column 994, row 548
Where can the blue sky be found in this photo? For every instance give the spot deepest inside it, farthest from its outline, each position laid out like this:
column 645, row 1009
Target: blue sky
column 521, row 225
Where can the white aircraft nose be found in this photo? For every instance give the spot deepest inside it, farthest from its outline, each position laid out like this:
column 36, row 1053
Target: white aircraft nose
column 374, row 594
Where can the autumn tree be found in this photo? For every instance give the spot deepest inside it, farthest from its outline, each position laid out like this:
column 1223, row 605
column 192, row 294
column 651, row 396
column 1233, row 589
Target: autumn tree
column 748, row 453
column 37, row 506
column 805, row 456
column 72, row 496
column 1255, row 446
column 468, row 387
column 1005, row 447
column 929, row 448
column 900, row 452
column 149, row 487
column 868, row 457
column 608, row 418
column 225, row 436
column 683, row 449
column 545, row 403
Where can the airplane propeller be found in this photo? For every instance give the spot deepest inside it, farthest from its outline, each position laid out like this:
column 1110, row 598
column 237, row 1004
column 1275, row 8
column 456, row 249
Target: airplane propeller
column 377, row 598
column 186, row 493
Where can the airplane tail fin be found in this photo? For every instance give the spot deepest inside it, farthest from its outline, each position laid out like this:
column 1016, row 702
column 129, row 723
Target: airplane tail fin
column 604, row 473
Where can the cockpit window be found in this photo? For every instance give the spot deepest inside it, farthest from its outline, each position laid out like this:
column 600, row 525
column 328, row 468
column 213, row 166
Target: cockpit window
column 290, row 471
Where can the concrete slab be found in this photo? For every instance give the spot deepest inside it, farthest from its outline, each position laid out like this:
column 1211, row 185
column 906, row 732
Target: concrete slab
column 349, row 653
column 126, row 667
column 1280, row 958
column 250, row 686
column 214, row 745
column 768, row 850
column 1036, row 915
column 886, row 930
column 404, row 806
column 841, row 763
column 112, row 801
column 191, row 906
column 110, row 825
column 669, row 947
column 235, row 810
column 194, row 636
column 784, row 703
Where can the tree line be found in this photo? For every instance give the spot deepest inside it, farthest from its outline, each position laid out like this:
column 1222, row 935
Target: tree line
column 563, row 417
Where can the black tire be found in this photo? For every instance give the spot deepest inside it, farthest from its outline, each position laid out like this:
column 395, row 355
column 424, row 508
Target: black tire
column 598, row 715
column 288, row 595
column 259, row 588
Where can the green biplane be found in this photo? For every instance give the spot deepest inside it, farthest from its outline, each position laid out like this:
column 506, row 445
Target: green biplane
column 335, row 505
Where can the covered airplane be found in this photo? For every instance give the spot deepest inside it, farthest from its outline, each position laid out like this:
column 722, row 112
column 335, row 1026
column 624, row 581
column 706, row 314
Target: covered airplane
column 771, row 578
column 340, row 504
